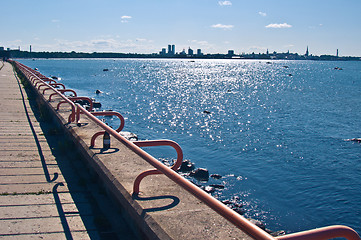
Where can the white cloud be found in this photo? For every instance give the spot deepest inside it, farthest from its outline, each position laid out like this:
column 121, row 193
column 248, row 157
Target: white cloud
column 125, row 18
column 279, row 25
column 55, row 20
column 201, row 43
column 227, row 27
column 257, row 49
column 14, row 44
column 144, row 40
column 263, row 14
column 101, row 44
column 225, row 3
column 205, row 46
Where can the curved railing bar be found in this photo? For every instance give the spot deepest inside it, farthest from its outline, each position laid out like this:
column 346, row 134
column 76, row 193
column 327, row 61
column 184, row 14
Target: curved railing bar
column 154, row 143
column 42, row 85
column 48, row 88
column 44, row 81
column 337, row 231
column 53, row 85
column 57, row 84
column 29, row 73
column 77, row 98
column 112, row 113
column 216, row 205
column 62, row 91
column 108, row 113
column 34, row 72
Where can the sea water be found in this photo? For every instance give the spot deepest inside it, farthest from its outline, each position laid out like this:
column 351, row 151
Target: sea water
column 275, row 130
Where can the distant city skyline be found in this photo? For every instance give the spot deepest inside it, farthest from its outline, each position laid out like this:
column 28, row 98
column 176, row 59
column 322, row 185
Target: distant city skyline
column 172, row 51
column 147, row 27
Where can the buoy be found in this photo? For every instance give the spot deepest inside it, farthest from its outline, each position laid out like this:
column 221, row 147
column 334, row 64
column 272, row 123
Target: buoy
column 106, row 141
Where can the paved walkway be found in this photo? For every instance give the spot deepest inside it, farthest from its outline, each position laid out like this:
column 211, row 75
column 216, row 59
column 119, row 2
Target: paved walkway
column 35, row 200
column 35, row 173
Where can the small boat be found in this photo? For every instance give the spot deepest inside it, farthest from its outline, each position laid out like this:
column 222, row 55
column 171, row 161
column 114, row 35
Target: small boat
column 105, row 70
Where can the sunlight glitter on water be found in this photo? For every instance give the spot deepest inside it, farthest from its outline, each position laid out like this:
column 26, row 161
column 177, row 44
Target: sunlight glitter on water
column 277, row 140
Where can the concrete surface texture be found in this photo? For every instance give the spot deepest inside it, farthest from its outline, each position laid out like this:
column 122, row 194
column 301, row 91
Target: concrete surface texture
column 36, row 202
column 162, row 207
column 163, row 210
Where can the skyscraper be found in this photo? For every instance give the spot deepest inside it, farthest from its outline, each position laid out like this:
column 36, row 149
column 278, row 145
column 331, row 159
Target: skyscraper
column 169, row 49
column 190, row 51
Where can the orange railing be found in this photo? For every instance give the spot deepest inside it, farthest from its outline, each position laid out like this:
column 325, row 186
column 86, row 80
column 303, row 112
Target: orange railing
column 232, row 216
column 108, row 113
column 75, row 99
column 154, row 143
column 330, row 232
column 34, row 77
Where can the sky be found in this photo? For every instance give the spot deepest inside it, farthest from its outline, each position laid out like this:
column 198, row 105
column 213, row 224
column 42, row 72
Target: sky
column 215, row 26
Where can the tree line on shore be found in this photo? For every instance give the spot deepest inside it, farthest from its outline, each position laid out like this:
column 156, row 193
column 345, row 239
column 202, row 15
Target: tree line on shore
column 73, row 54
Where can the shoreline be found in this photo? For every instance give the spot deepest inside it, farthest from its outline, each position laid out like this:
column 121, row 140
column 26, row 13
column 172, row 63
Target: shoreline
column 16, row 54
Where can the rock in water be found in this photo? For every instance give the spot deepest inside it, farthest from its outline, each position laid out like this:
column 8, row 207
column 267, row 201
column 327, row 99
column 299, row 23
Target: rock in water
column 200, row 174
column 216, row 176
column 209, row 189
column 186, row 166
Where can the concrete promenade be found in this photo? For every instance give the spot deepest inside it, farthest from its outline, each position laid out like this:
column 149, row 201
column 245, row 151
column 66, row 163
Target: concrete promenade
column 36, row 202
column 163, row 210
column 54, row 185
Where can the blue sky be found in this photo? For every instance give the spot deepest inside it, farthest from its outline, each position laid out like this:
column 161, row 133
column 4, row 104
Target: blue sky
column 144, row 26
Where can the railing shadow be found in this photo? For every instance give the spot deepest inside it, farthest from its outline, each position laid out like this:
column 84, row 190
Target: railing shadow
column 105, row 151
column 40, row 151
column 175, row 202
column 61, row 212
column 58, row 145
